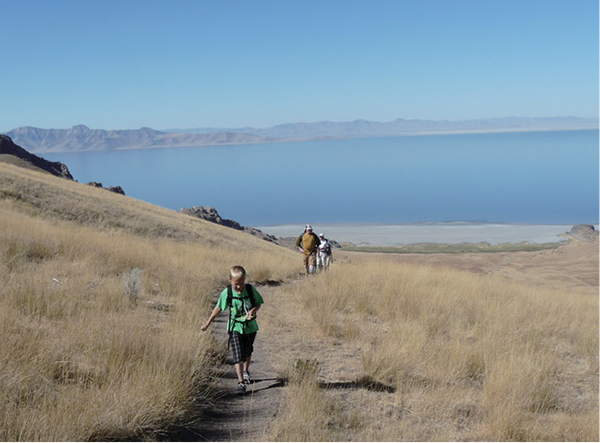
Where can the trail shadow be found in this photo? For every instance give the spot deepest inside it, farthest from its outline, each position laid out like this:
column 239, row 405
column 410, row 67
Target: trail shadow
column 368, row 384
column 255, row 385
column 269, row 283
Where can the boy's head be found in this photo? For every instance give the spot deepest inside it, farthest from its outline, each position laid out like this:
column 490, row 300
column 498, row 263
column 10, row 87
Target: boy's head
column 237, row 277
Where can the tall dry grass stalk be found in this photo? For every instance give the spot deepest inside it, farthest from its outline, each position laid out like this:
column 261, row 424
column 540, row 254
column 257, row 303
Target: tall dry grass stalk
column 101, row 302
column 462, row 357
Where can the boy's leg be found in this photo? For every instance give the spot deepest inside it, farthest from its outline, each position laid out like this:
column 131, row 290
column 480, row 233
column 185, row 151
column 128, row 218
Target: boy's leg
column 237, row 350
column 246, row 372
column 242, row 347
column 239, row 369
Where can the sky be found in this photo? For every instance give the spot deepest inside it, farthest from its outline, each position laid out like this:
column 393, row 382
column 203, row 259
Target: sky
column 127, row 64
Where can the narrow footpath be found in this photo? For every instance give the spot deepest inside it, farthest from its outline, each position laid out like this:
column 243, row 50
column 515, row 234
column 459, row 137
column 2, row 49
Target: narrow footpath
column 233, row 416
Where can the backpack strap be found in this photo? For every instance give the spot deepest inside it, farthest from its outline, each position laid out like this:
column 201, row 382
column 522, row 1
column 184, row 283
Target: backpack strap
column 250, row 291
column 231, row 296
column 229, row 302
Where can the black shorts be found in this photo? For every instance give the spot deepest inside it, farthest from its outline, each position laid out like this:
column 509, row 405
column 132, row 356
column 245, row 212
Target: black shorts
column 242, row 346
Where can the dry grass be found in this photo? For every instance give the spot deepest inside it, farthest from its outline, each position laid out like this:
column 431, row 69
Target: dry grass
column 421, row 354
column 102, row 296
column 100, row 314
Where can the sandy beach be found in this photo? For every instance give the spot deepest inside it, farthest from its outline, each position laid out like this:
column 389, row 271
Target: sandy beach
column 447, row 233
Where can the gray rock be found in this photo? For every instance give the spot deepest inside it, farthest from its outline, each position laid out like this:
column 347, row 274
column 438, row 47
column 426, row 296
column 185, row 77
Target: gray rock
column 211, row 215
column 583, row 232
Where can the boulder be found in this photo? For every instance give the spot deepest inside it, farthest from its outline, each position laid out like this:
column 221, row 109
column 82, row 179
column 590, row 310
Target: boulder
column 116, row 190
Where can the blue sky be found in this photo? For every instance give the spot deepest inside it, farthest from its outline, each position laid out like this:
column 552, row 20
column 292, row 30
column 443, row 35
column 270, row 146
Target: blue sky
column 126, row 64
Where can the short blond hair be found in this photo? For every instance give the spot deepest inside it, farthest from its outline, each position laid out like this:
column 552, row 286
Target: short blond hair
column 236, row 273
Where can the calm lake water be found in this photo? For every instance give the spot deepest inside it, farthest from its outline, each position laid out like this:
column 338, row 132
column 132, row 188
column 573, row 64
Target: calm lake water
column 531, row 178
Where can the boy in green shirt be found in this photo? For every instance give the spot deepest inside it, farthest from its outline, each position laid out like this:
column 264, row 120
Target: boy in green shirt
column 243, row 301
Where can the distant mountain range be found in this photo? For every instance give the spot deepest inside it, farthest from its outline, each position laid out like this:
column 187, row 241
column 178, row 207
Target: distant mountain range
column 398, row 127
column 82, row 138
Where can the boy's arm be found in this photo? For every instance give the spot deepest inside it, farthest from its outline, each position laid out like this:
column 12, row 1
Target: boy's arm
column 252, row 312
column 214, row 313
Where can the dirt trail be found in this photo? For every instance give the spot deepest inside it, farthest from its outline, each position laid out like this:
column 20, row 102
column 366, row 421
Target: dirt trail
column 236, row 417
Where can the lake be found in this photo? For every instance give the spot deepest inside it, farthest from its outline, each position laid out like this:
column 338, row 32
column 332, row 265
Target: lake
column 547, row 178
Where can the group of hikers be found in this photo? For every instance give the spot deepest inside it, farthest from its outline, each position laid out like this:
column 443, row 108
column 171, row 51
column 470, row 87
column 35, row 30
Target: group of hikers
column 316, row 250
column 244, row 301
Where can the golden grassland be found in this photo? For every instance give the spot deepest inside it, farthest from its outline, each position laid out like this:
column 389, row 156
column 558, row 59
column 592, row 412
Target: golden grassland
column 102, row 298
column 414, row 353
column 101, row 301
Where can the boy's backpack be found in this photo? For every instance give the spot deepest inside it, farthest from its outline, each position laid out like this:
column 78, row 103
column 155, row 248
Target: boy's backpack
column 230, row 296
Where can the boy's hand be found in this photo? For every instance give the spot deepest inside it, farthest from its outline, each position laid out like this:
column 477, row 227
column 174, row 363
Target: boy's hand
column 204, row 327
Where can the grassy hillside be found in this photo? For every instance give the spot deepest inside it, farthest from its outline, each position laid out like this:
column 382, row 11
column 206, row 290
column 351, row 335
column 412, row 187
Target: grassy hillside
column 101, row 299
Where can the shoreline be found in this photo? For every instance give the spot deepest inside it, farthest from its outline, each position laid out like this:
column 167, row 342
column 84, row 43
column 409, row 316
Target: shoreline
column 380, row 235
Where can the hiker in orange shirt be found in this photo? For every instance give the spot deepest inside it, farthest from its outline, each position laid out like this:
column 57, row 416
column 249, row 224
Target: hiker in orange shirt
column 307, row 243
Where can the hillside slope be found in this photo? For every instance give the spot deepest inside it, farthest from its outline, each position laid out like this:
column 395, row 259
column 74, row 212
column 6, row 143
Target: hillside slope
column 51, row 198
column 101, row 299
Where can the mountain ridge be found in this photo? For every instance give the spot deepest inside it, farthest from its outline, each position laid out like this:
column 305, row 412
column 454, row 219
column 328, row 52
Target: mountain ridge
column 82, row 138
column 400, row 126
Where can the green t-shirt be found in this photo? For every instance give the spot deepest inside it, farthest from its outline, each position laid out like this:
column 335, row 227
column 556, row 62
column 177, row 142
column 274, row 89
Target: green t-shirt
column 241, row 304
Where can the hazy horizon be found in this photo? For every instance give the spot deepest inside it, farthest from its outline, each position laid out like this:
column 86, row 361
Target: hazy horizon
column 181, row 129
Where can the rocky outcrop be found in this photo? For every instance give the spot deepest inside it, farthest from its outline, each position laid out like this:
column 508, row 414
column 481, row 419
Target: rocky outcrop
column 115, row 189
column 583, row 232
column 211, row 215
column 7, row 147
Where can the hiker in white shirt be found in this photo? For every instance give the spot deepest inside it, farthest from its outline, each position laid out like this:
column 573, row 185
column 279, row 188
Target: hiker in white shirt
column 323, row 253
